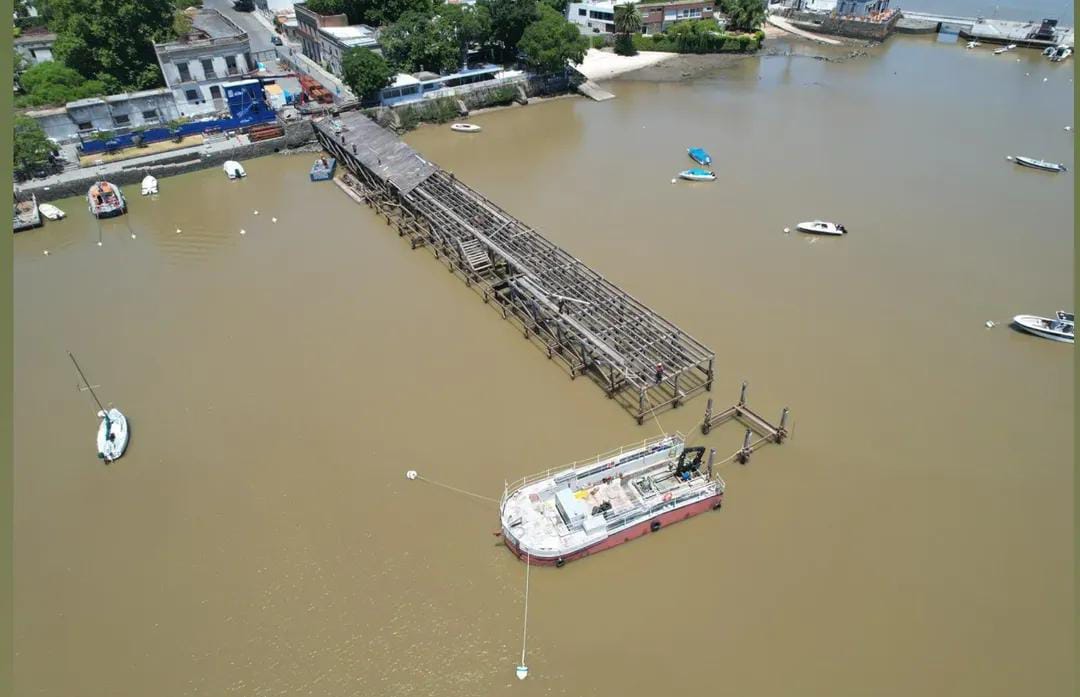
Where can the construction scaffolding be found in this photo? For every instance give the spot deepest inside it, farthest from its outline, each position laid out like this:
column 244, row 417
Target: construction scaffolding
column 589, row 324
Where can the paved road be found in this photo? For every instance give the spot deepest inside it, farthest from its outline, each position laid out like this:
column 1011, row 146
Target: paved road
column 258, row 34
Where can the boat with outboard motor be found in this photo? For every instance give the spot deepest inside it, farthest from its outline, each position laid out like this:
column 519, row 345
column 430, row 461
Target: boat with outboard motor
column 697, row 174
column 1039, row 164
column 596, row 504
column 105, row 200
column 699, row 156
column 821, row 227
column 1061, row 328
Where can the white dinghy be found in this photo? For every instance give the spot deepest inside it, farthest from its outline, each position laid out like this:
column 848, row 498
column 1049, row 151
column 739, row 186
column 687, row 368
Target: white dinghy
column 821, row 227
column 112, row 435
column 149, row 185
column 465, row 128
column 1058, row 329
column 234, row 169
column 50, row 211
column 1035, row 163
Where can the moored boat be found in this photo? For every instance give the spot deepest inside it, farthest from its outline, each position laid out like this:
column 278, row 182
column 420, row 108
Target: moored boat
column 593, row 505
column 821, row 227
column 323, row 169
column 1004, row 49
column 112, row 436
column 1039, row 164
column 697, row 175
column 50, row 211
column 105, row 200
column 699, row 156
column 973, row 44
column 1066, row 316
column 149, row 185
column 465, row 127
column 1057, row 329
column 234, row 169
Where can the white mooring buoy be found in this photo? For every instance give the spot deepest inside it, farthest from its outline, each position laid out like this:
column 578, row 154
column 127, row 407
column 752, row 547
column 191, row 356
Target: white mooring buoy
column 99, row 243
column 989, row 324
column 133, row 235
column 273, row 220
column 46, row 252
column 787, row 230
column 256, row 212
column 411, row 474
column 1068, row 128
column 673, row 181
column 1045, row 79
column 243, row 231
column 177, row 231
column 522, row 672
column 1008, row 157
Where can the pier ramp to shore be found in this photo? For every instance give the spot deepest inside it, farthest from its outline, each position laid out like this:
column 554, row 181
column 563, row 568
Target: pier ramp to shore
column 579, row 318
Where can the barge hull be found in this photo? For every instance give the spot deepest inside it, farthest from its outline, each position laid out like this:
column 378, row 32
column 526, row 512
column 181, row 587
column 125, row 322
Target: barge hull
column 639, row 530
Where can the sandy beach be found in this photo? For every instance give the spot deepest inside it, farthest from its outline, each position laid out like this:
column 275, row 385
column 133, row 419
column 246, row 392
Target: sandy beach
column 604, row 65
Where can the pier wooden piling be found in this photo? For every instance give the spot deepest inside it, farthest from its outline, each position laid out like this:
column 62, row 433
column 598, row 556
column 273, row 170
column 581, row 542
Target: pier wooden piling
column 576, row 316
column 755, row 424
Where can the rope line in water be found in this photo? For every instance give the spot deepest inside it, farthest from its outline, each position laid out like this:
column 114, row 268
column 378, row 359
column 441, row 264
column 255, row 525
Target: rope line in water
column 454, row 488
column 525, row 623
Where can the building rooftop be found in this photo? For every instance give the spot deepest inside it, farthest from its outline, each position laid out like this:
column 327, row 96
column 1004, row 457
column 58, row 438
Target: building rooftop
column 404, row 80
column 354, row 35
column 214, row 24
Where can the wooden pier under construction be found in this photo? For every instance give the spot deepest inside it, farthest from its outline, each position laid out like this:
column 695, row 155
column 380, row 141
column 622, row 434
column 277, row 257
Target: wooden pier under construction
column 578, row 317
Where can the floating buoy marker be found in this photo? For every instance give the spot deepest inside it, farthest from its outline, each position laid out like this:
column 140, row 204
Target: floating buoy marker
column 1045, row 79
column 1068, row 128
column 273, row 220
column 989, row 324
column 243, row 231
column 177, row 231
column 99, row 243
column 133, row 235
column 411, row 474
column 787, row 230
column 46, row 252
column 522, row 672
column 672, row 181
column 256, row 212
column 1008, row 157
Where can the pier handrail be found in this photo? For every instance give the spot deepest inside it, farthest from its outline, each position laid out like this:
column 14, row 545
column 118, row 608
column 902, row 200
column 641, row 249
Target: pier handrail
column 611, row 454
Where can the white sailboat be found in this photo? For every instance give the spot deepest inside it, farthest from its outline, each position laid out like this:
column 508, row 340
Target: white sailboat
column 112, row 433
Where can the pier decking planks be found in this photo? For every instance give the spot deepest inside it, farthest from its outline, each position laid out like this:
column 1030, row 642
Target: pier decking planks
column 595, row 328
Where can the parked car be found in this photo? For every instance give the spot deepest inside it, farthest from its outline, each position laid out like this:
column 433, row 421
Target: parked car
column 276, row 40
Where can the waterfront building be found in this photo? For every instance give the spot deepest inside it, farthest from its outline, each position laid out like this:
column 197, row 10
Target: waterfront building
column 598, row 16
column 35, row 45
column 85, row 117
column 861, row 8
column 335, row 41
column 216, row 51
column 411, row 88
column 308, row 24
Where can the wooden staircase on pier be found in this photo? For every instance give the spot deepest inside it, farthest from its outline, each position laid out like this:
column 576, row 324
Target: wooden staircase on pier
column 475, row 255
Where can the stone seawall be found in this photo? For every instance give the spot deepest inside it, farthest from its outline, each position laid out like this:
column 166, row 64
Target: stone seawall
column 297, row 133
column 840, row 26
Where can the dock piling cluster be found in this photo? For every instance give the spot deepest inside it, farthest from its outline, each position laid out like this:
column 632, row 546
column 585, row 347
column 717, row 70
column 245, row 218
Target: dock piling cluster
column 755, row 425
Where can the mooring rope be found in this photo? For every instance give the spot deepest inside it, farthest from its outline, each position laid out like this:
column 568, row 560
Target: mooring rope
column 525, row 622
column 454, row 488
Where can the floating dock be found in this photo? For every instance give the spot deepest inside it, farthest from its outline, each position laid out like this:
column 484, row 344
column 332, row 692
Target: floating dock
column 26, row 214
column 574, row 314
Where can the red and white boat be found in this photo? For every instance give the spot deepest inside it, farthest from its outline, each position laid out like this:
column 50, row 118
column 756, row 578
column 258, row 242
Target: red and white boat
column 593, row 505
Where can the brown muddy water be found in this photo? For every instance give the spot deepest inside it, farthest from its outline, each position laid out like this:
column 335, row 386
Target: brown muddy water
column 259, row 537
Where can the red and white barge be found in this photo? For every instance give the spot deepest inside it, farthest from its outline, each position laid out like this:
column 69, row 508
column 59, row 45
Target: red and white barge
column 593, row 505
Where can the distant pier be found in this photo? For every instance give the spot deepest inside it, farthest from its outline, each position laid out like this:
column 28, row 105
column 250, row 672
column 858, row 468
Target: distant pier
column 1001, row 31
column 590, row 325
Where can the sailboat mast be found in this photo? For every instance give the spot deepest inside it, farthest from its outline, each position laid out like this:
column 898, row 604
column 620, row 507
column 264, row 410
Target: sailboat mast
column 85, row 381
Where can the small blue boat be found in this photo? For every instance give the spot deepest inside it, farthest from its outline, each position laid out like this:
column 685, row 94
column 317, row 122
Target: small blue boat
column 699, row 156
column 323, row 169
column 698, row 175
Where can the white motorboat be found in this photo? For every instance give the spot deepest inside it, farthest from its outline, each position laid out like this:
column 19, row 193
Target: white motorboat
column 973, row 44
column 1039, row 164
column 112, row 436
column 1057, row 329
column 50, row 211
column 149, row 185
column 698, row 175
column 1004, row 49
column 821, row 227
column 1061, row 54
column 465, row 128
column 234, row 169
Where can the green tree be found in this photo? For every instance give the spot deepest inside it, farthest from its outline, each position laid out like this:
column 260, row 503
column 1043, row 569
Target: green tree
column 551, row 41
column 627, row 23
column 420, row 42
column 509, row 18
column 744, row 15
column 365, row 72
column 326, row 7
column 32, row 148
column 557, row 5
column 113, row 38
column 55, row 83
column 469, row 25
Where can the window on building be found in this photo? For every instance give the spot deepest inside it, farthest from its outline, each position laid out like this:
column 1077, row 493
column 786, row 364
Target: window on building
column 581, row 12
column 249, row 61
column 192, row 96
column 208, row 68
column 150, row 115
column 86, row 126
column 185, row 72
column 215, row 92
column 230, row 65
column 122, row 119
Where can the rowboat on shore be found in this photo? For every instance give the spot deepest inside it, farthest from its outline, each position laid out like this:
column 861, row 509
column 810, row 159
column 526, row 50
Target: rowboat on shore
column 697, row 175
column 105, row 200
column 465, row 128
column 1038, row 164
column 1057, row 329
column 821, row 227
column 50, row 211
column 699, row 156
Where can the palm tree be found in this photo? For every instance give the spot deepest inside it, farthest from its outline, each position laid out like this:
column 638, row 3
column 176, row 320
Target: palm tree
column 627, row 23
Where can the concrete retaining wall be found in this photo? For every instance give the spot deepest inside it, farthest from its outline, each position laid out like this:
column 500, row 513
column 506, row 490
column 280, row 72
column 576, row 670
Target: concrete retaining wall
column 838, row 26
